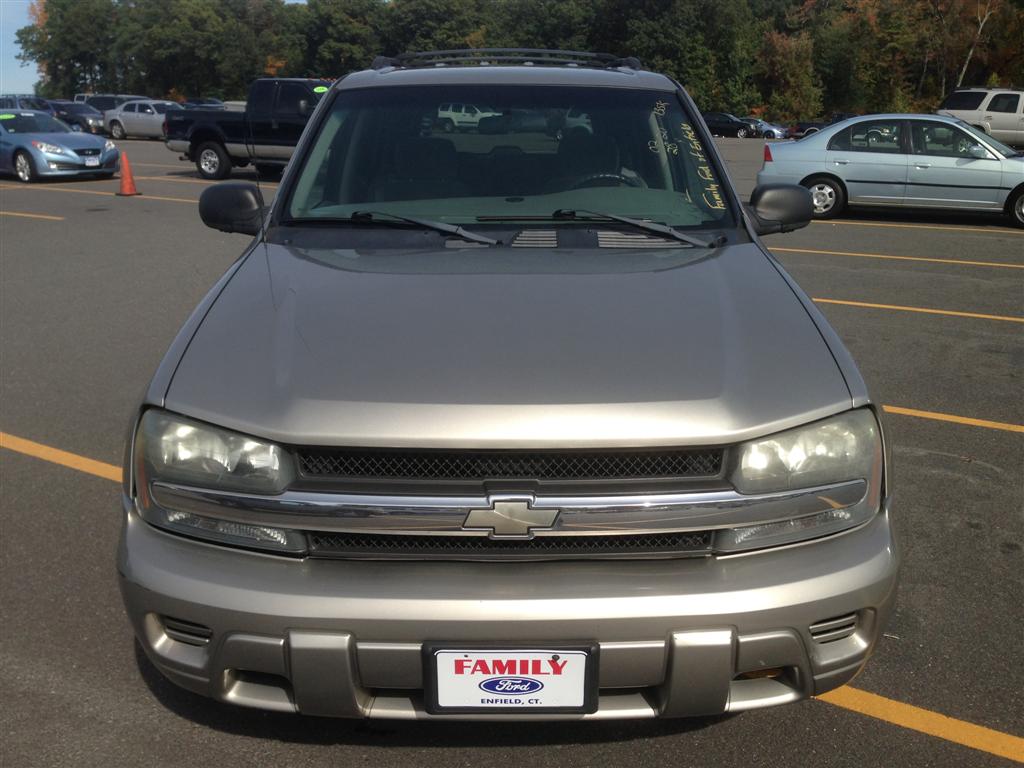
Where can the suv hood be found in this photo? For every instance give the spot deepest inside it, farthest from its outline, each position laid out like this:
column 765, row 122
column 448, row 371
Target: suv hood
column 507, row 347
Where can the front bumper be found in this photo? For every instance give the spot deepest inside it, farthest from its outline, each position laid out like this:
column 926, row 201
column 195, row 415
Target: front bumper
column 344, row 638
column 51, row 165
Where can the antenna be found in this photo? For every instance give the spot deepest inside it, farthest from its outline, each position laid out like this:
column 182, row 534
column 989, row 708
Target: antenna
column 250, row 148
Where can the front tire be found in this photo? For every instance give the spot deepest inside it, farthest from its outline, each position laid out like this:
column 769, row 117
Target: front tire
column 117, row 130
column 24, row 168
column 741, row 133
column 1016, row 209
column 212, row 161
column 828, row 196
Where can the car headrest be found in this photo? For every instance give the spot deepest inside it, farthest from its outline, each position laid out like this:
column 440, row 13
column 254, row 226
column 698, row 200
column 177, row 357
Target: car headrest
column 425, row 158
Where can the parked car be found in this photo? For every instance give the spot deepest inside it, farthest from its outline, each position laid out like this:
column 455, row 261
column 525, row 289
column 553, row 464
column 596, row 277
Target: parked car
column 911, row 161
column 999, row 112
column 105, row 102
column 805, row 128
column 265, row 133
column 87, row 118
column 197, row 102
column 139, row 118
column 34, row 145
column 767, row 130
column 489, row 426
column 23, row 102
column 462, row 117
column 724, row 124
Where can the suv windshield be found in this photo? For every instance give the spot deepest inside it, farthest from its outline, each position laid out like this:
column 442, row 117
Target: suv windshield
column 536, row 151
column 31, row 122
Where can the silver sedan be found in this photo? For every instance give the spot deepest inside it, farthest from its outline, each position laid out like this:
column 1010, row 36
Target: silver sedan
column 139, row 118
column 912, row 161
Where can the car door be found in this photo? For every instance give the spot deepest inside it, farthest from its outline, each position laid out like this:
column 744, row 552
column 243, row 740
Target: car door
column 946, row 171
column 1004, row 117
column 6, row 148
column 294, row 105
column 715, row 123
column 148, row 120
column 259, row 111
column 871, row 157
column 125, row 115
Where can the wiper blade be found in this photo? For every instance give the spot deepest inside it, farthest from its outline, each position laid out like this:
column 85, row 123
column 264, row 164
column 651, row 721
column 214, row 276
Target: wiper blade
column 648, row 226
column 437, row 226
column 389, row 220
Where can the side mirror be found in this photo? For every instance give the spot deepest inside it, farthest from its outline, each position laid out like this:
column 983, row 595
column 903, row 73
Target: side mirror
column 232, row 206
column 780, row 208
column 76, row 128
column 304, row 109
column 977, row 151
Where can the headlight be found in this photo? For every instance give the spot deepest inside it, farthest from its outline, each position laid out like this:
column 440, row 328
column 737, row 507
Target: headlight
column 844, row 448
column 180, row 450
column 109, row 146
column 50, row 149
column 174, row 449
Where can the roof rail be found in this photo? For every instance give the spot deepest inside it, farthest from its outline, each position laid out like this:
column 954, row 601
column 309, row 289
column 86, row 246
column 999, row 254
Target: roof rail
column 483, row 57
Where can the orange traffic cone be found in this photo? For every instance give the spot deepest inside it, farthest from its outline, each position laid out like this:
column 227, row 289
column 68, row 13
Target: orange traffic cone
column 127, row 182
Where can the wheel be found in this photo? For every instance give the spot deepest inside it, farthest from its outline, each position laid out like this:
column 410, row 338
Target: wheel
column 810, row 131
column 741, row 133
column 117, row 130
column 447, row 125
column 267, row 172
column 25, row 168
column 1016, row 209
column 828, row 196
column 212, row 161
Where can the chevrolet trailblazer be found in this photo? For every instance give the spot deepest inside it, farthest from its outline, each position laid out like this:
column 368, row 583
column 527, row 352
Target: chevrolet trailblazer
column 507, row 424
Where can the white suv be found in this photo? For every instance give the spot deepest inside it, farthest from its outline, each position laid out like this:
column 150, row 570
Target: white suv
column 997, row 111
column 462, row 117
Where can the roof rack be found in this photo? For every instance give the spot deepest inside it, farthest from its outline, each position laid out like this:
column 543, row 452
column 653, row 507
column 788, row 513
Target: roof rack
column 527, row 57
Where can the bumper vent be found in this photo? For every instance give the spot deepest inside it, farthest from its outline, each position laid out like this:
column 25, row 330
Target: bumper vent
column 87, row 152
column 185, row 631
column 395, row 464
column 536, row 238
column 385, row 546
column 830, row 630
column 614, row 239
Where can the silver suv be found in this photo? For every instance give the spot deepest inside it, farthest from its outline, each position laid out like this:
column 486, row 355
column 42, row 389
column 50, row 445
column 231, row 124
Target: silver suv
column 503, row 425
column 997, row 111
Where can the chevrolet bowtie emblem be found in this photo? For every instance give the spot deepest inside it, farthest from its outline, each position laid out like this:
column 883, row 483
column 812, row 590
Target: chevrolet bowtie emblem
column 510, row 519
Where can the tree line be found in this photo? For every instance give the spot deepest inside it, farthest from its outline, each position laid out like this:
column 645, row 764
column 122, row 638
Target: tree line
column 785, row 59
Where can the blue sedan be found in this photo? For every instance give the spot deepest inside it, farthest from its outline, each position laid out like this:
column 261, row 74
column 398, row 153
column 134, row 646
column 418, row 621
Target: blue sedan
column 34, row 145
column 912, row 161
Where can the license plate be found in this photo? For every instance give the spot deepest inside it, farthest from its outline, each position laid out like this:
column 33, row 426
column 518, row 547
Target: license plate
column 92, row 162
column 504, row 680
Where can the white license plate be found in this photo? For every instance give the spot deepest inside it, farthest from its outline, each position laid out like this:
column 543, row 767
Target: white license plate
column 92, row 162
column 511, row 680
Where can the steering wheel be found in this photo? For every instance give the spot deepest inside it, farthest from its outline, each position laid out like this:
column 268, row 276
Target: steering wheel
column 587, row 180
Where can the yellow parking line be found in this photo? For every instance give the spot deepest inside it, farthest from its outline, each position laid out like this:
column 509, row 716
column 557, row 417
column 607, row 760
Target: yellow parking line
column 961, row 262
column 925, row 721
column 949, row 227
column 853, row 699
column 925, row 310
column 32, row 215
column 954, row 419
column 57, row 456
column 48, row 188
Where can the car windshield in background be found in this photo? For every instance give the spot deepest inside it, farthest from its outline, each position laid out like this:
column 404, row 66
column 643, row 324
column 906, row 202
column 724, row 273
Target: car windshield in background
column 27, row 122
column 161, row 108
column 33, row 104
column 103, row 103
column 464, row 154
column 80, row 109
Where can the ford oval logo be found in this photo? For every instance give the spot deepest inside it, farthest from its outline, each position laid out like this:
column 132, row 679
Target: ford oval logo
column 512, row 686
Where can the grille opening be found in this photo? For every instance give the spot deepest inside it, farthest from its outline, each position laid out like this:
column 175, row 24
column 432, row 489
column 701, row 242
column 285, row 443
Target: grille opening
column 759, row 674
column 259, row 689
column 482, row 465
column 831, row 630
column 186, row 632
column 441, row 547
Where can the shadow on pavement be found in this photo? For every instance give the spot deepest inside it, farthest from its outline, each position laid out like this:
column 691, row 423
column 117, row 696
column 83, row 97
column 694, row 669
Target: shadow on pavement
column 304, row 729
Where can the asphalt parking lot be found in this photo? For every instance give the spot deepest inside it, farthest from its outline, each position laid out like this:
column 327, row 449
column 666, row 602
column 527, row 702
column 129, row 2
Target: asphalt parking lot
column 93, row 288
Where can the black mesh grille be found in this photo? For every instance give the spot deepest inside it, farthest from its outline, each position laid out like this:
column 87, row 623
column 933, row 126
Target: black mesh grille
column 507, row 465
column 369, row 545
column 87, row 152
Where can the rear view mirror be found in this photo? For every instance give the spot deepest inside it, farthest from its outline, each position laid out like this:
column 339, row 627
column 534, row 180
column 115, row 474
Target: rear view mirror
column 780, row 208
column 232, row 206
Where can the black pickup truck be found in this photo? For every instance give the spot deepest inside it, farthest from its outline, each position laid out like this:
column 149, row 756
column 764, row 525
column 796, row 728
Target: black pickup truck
column 264, row 135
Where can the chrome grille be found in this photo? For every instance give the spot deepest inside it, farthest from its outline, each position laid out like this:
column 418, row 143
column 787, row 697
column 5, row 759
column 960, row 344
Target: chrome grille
column 401, row 464
column 87, row 152
column 385, row 546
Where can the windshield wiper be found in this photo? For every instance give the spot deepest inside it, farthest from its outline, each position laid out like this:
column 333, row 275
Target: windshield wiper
column 437, row 226
column 648, row 226
column 392, row 219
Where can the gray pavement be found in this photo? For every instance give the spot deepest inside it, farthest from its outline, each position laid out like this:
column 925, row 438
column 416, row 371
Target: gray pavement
column 89, row 304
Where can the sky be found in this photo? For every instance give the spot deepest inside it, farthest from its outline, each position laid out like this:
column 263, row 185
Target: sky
column 14, row 78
